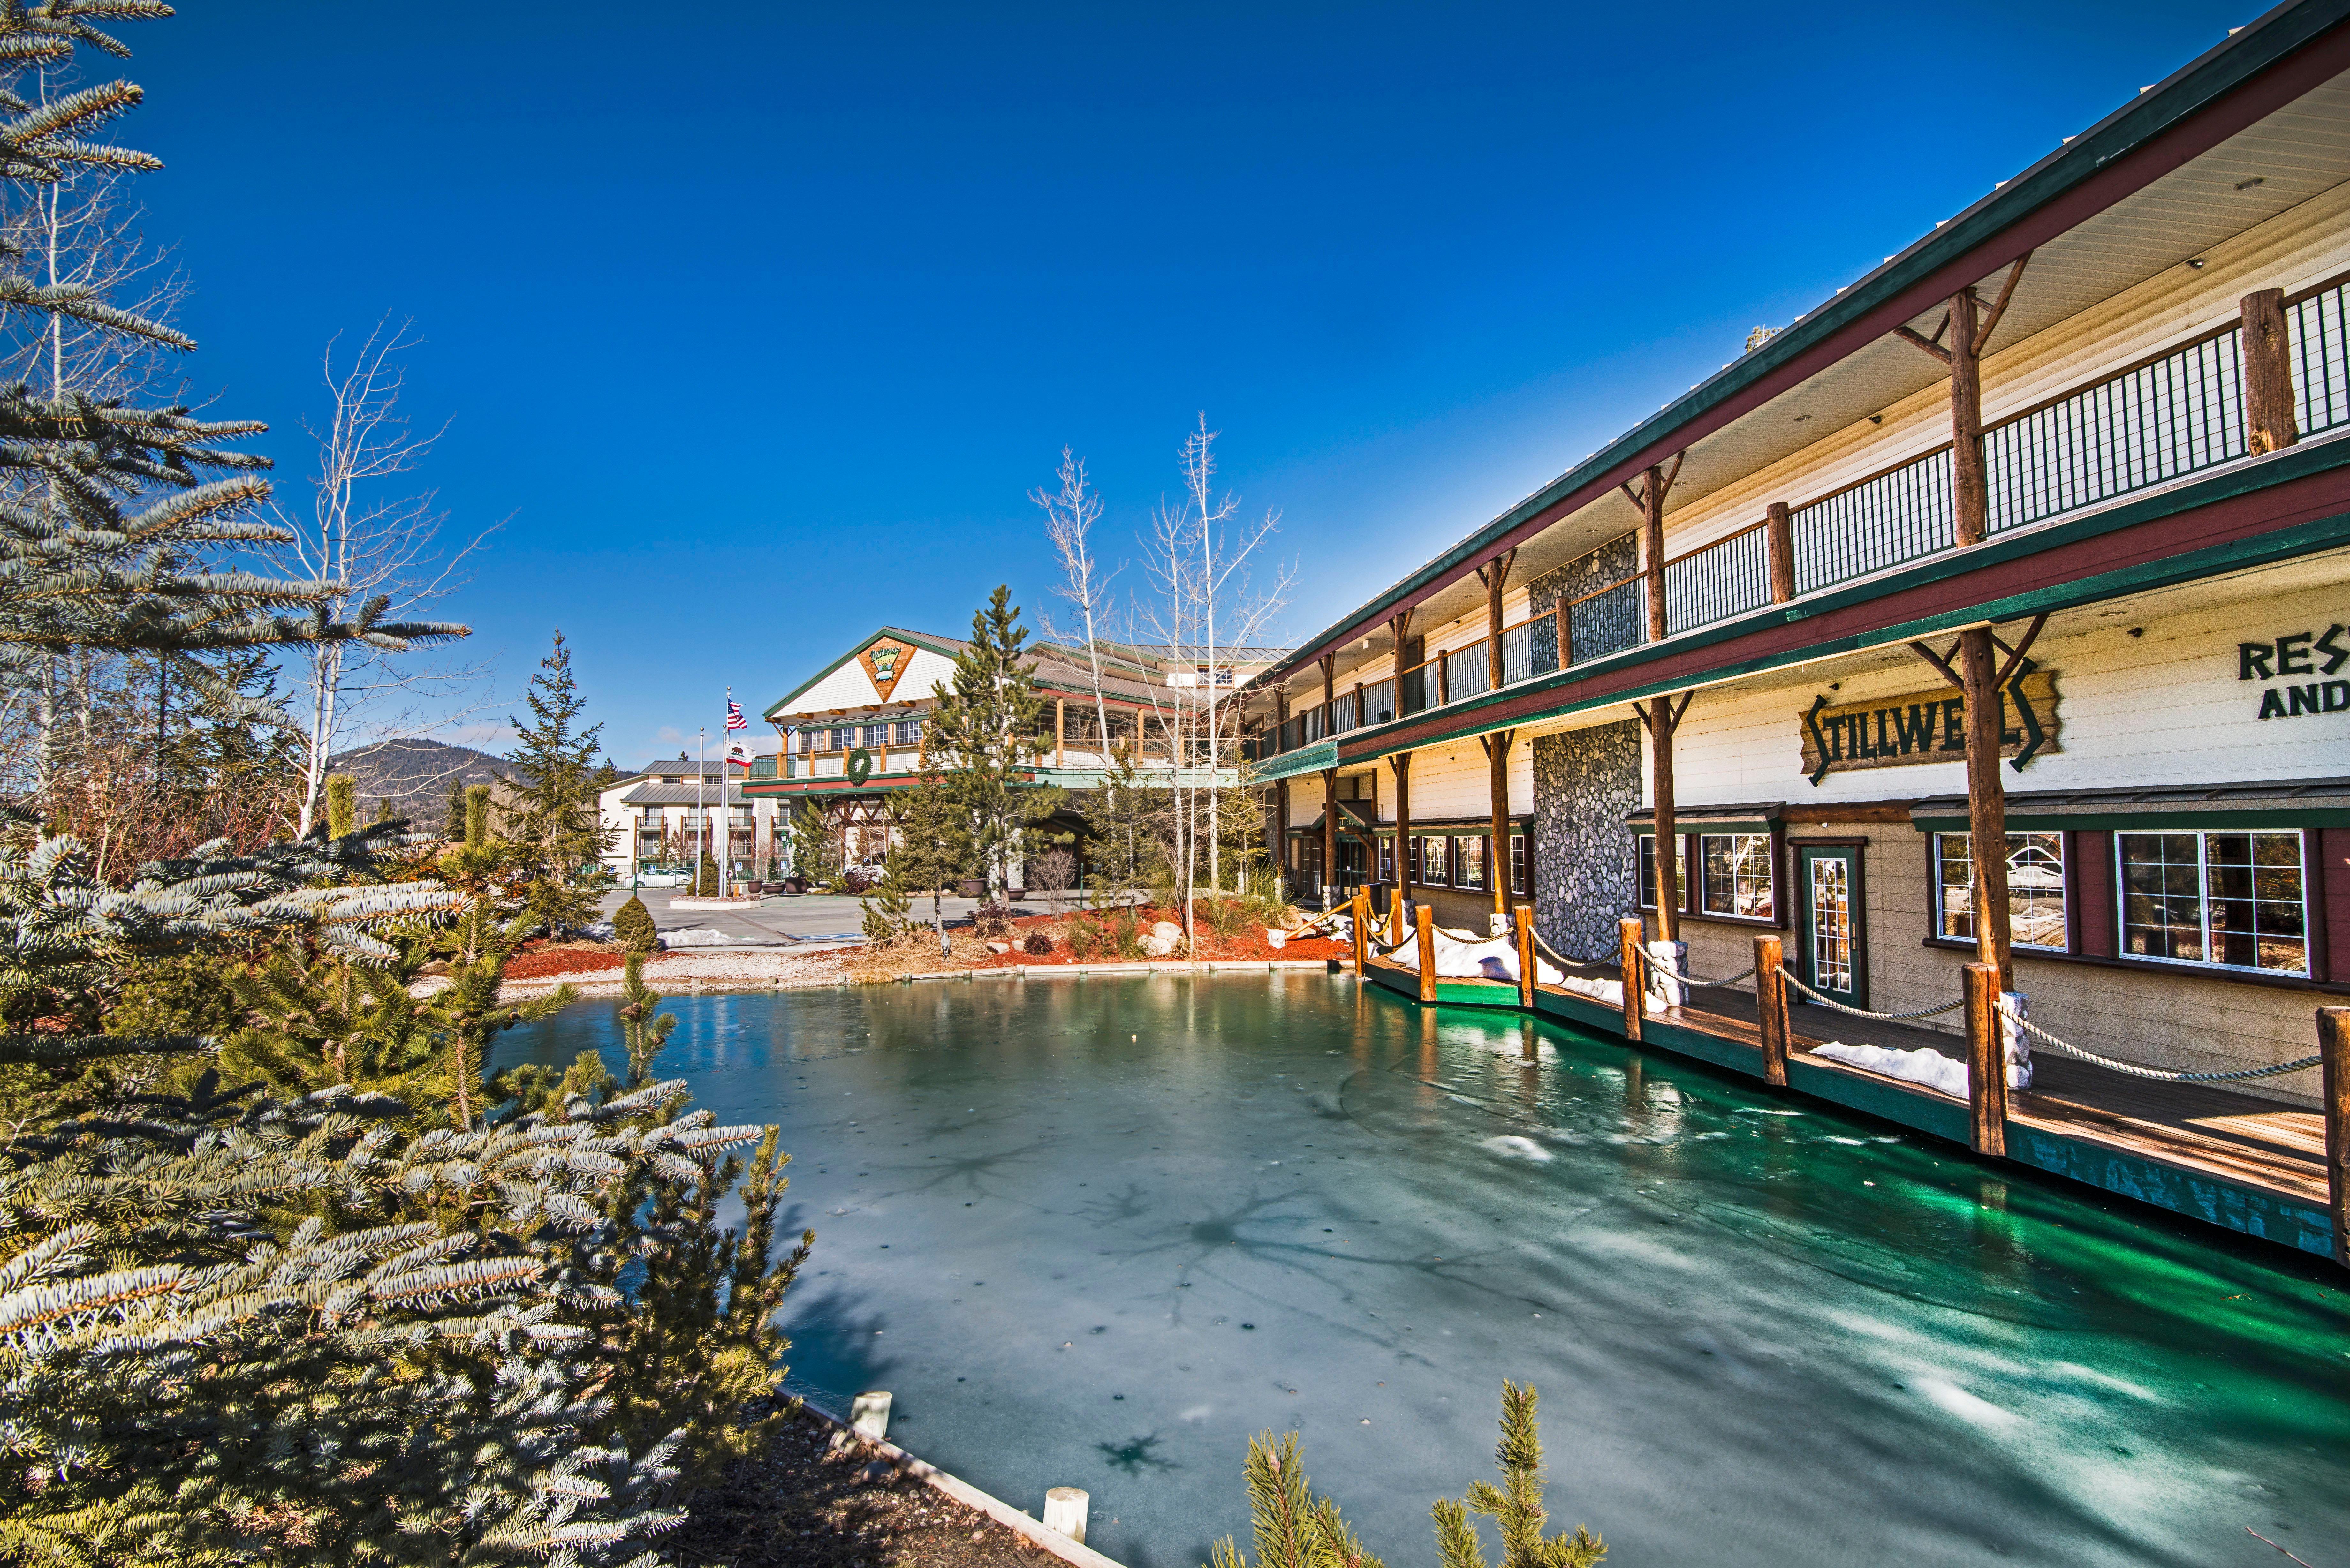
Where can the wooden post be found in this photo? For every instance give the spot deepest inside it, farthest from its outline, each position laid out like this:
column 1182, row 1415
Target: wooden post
column 1496, row 576
column 1065, row 1507
column 1780, row 535
column 2270, row 425
column 1655, row 482
column 1628, row 936
column 1969, row 488
column 1497, row 853
column 1986, row 803
column 1424, row 918
column 1770, row 1009
column 1060, row 732
column 1359, row 705
column 1361, row 911
column 1443, row 678
column 1662, row 717
column 2334, row 1046
column 1527, row 969
column 1329, row 830
column 1401, row 763
column 1986, row 1062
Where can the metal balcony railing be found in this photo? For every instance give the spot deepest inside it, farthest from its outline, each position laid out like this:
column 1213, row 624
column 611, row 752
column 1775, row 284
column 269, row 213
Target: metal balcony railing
column 2168, row 416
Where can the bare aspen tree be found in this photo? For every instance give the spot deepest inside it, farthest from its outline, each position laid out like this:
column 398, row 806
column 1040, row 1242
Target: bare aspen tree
column 1203, row 605
column 384, row 552
column 1070, row 514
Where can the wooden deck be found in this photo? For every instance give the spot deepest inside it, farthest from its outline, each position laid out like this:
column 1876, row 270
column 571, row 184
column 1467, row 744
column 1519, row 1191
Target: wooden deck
column 2214, row 1154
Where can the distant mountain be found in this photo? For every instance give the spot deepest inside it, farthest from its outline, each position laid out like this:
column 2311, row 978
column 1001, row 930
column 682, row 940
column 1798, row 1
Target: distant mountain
column 414, row 775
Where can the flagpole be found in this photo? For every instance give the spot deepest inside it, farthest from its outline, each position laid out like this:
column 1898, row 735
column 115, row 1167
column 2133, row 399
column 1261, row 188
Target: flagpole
column 725, row 817
column 701, row 814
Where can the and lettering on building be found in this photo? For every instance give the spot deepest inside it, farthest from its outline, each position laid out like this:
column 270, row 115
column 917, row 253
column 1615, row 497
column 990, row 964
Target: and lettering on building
column 2295, row 654
column 1928, row 727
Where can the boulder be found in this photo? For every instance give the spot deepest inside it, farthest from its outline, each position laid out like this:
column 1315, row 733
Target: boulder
column 1167, row 928
column 1156, row 946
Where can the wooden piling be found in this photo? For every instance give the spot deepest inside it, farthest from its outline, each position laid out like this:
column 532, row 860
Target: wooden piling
column 1425, row 918
column 1526, row 970
column 1770, row 1009
column 1779, row 539
column 2334, row 1046
column 1630, row 936
column 1986, row 1062
column 1361, row 911
column 2270, row 425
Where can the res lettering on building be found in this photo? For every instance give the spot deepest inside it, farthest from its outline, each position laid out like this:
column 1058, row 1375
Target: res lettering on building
column 2298, row 653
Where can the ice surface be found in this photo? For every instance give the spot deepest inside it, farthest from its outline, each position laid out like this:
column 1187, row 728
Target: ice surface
column 1030, row 1198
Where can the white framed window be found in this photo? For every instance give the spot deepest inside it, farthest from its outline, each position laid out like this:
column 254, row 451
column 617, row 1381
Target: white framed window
column 1647, row 853
column 1739, row 876
column 875, row 736
column 1518, row 865
column 2035, row 888
column 1469, row 862
column 909, row 732
column 1387, row 861
column 2230, row 900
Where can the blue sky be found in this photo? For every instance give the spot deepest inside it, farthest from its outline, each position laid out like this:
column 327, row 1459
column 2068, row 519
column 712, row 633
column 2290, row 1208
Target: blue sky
column 760, row 321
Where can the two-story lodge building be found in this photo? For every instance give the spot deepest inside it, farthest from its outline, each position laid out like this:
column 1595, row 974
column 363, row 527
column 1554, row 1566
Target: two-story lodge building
column 2038, row 536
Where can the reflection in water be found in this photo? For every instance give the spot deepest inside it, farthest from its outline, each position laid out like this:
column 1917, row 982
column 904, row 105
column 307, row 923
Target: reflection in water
column 1097, row 1232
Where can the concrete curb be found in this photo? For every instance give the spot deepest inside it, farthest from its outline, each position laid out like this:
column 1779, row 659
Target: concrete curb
column 1067, row 970
column 969, row 1496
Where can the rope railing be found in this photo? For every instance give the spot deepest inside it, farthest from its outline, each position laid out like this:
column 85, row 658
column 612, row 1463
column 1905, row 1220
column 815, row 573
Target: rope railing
column 1561, row 960
column 2158, row 1074
column 1653, row 962
column 1864, row 1012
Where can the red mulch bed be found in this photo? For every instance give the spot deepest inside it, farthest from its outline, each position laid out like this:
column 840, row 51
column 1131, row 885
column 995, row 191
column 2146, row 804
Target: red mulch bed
column 534, row 961
column 1247, row 944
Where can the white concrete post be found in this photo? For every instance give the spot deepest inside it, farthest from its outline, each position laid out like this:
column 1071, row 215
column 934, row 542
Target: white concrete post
column 1064, row 1511
column 869, row 1414
column 1674, row 991
column 2015, row 1046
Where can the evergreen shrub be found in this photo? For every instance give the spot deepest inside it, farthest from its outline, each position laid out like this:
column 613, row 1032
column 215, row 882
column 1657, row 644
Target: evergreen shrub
column 633, row 928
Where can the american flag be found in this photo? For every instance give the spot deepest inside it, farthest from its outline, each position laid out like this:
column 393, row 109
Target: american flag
column 734, row 719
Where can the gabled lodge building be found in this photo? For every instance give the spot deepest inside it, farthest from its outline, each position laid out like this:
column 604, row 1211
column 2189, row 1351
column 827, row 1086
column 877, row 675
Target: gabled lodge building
column 1997, row 609
column 852, row 733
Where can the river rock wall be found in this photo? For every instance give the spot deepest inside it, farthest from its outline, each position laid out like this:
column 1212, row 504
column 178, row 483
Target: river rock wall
column 1586, row 782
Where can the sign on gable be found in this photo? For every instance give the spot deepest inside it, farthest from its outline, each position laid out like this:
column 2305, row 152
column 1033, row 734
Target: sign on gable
column 1926, row 727
column 886, row 663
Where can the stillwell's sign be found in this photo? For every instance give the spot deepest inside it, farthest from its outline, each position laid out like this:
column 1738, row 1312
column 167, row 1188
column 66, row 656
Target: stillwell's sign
column 1928, row 727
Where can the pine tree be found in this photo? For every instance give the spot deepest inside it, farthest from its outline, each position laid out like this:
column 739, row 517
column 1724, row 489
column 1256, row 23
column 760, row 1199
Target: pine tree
column 983, row 735
column 559, row 837
column 1516, row 1505
column 245, row 1325
column 932, row 849
column 633, row 926
column 1292, row 1528
column 817, row 850
column 452, row 823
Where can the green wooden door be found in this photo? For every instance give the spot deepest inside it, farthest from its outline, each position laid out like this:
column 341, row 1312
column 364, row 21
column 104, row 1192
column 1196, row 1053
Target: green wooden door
column 1831, row 919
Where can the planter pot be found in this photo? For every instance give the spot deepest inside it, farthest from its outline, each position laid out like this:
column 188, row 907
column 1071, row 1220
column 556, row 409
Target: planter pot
column 971, row 888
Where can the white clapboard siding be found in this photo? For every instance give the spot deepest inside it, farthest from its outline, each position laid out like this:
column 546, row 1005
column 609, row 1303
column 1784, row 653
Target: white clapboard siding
column 2163, row 708
column 849, row 686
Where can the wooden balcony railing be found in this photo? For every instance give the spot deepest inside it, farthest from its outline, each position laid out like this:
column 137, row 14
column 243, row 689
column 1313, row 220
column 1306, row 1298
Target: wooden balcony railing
column 2164, row 418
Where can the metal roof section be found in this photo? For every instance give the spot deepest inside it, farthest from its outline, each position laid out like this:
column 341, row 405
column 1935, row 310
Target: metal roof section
column 2331, row 795
column 2118, row 206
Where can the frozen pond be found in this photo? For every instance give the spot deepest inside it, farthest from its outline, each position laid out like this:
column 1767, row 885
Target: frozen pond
column 1096, row 1232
